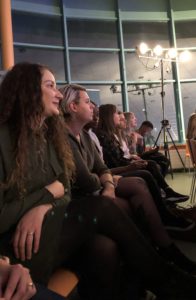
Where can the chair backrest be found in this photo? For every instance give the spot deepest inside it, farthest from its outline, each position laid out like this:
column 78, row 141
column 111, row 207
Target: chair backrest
column 193, row 150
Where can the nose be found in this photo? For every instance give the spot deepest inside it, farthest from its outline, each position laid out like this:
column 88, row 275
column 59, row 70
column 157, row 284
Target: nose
column 59, row 95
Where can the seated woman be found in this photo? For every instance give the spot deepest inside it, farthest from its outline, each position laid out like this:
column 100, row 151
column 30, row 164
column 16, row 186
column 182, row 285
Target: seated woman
column 39, row 226
column 93, row 177
column 35, row 170
column 109, row 121
column 140, row 134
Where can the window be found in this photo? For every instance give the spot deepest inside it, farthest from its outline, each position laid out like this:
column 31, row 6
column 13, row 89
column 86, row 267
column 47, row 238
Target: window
column 51, row 58
column 38, row 29
column 94, row 66
column 96, row 34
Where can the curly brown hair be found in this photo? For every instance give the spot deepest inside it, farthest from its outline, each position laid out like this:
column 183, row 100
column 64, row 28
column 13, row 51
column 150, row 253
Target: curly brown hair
column 22, row 109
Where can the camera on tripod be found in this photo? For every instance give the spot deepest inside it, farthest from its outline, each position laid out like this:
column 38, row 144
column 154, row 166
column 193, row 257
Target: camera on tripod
column 165, row 123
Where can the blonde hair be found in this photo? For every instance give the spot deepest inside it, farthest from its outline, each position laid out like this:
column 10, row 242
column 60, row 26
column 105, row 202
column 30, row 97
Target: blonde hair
column 70, row 92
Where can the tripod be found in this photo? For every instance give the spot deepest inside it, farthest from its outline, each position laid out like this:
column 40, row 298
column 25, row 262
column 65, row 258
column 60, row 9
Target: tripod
column 165, row 128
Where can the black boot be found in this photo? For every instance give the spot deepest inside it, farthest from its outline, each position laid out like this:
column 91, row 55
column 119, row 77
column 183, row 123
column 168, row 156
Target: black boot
column 174, row 255
column 177, row 286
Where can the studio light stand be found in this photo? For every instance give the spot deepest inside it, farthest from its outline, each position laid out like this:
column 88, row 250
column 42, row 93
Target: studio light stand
column 165, row 127
column 170, row 56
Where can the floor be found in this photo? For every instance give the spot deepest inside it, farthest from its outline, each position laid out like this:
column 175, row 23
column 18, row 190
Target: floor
column 181, row 183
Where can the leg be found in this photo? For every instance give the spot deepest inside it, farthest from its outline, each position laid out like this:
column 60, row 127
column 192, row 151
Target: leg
column 98, row 214
column 137, row 194
column 100, row 269
column 154, row 170
column 171, row 195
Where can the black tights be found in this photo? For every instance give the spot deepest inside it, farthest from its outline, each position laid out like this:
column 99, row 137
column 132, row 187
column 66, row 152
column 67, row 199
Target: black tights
column 99, row 266
column 154, row 190
column 91, row 215
column 136, row 195
column 154, row 170
column 103, row 274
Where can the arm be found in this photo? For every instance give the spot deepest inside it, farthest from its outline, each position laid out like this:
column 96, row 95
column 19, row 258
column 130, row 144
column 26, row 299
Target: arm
column 112, row 153
column 27, row 236
column 11, row 207
column 108, row 185
column 87, row 169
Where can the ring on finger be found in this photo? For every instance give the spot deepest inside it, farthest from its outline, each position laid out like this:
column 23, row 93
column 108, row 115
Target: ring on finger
column 30, row 284
column 30, row 233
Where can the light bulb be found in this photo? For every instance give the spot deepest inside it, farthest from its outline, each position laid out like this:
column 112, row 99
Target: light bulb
column 172, row 53
column 143, row 48
column 185, row 56
column 158, row 50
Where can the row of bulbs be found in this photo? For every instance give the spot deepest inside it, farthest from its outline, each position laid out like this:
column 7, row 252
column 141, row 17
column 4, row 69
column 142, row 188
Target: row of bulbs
column 159, row 52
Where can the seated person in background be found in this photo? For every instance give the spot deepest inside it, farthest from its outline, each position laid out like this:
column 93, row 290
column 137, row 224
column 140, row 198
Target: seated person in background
column 132, row 136
column 172, row 222
column 109, row 122
column 153, row 154
column 191, row 129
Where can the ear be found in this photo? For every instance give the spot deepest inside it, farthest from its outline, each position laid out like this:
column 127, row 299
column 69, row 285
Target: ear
column 73, row 106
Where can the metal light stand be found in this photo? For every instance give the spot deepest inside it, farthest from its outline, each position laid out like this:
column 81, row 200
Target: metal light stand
column 165, row 128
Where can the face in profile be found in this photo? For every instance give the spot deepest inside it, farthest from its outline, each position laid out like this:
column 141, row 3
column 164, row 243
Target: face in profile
column 123, row 122
column 84, row 109
column 116, row 119
column 51, row 97
column 133, row 121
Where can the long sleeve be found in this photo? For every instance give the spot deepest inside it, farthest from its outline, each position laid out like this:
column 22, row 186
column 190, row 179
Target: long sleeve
column 89, row 166
column 112, row 153
column 12, row 207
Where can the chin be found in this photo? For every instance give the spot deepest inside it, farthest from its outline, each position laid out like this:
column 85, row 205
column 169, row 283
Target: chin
column 56, row 113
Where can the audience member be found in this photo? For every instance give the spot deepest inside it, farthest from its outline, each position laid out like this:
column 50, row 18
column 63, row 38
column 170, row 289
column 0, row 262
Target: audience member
column 153, row 153
column 114, row 157
column 35, row 173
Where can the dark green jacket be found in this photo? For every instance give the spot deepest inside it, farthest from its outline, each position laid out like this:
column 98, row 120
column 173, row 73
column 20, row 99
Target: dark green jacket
column 89, row 166
column 11, row 207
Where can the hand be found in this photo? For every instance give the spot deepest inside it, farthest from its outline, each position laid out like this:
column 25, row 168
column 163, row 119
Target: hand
column 138, row 165
column 56, row 189
column 28, row 231
column 116, row 179
column 109, row 192
column 15, row 283
column 135, row 157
